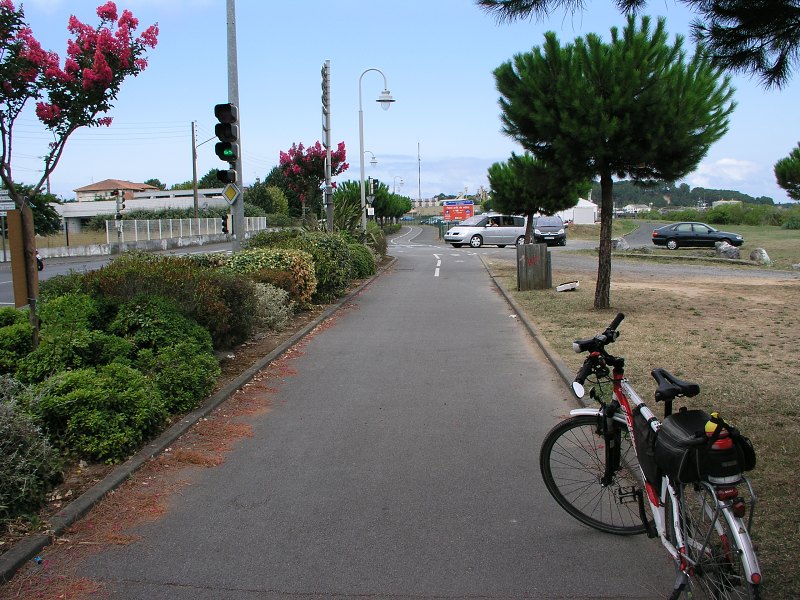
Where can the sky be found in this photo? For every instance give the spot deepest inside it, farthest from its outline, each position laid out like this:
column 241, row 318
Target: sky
column 440, row 136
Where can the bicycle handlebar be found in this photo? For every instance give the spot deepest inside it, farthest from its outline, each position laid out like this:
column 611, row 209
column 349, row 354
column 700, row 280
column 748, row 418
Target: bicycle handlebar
column 598, row 342
column 617, row 320
column 597, row 345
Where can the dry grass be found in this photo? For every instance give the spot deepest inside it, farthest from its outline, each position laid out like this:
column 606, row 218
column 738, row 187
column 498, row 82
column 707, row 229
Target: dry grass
column 737, row 338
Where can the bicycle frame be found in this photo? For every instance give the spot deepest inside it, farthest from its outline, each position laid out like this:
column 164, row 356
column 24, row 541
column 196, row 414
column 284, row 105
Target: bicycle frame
column 630, row 401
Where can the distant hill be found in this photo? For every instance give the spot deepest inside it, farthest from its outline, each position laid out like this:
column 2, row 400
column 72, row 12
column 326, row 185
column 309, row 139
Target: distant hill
column 664, row 194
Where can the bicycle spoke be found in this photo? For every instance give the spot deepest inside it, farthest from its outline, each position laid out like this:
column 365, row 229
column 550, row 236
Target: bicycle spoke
column 718, row 570
column 573, row 464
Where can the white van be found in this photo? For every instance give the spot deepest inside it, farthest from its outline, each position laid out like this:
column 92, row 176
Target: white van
column 498, row 230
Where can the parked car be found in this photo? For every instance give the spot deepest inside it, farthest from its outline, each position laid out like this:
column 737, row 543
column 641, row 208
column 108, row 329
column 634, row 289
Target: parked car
column 498, row 230
column 693, row 234
column 550, row 230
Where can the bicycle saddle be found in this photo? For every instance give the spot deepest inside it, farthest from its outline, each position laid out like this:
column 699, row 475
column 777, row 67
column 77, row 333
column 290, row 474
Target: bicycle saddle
column 670, row 387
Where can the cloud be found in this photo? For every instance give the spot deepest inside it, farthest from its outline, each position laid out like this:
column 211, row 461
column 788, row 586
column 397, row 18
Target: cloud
column 724, row 173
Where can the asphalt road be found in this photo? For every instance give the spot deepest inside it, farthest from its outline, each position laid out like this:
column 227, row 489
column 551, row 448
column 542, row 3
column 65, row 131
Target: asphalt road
column 400, row 460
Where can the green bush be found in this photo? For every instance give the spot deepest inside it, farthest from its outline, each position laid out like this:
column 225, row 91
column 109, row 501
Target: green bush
column 29, row 466
column 184, row 373
column 391, row 228
column 12, row 316
column 271, row 239
column 376, row 238
column 291, row 270
column 220, row 301
column 61, row 349
column 363, row 261
column 70, row 339
column 156, row 322
column 74, row 310
column 280, row 220
column 793, row 222
column 16, row 341
column 332, row 261
column 60, row 285
column 101, row 414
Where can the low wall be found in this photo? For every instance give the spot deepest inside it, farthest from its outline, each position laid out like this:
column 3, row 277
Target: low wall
column 145, row 245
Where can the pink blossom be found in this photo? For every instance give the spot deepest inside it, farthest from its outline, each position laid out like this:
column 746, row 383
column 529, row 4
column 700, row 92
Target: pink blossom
column 8, row 5
column 107, row 12
column 150, row 36
column 48, row 113
column 106, row 121
column 128, row 20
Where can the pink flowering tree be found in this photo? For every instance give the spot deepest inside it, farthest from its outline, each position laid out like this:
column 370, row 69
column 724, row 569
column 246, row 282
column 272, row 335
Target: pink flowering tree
column 77, row 92
column 304, row 170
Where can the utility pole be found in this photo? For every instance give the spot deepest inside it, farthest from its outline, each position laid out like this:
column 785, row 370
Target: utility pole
column 194, row 169
column 237, row 209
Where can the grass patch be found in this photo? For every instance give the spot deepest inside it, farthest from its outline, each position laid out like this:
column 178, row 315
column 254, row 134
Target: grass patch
column 737, row 339
column 782, row 245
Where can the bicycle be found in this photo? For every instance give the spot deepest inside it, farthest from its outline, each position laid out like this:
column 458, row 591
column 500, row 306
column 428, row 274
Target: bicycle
column 617, row 468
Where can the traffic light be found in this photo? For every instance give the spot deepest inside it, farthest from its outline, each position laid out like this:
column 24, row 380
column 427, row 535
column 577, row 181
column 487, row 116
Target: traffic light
column 119, row 196
column 226, row 175
column 225, row 225
column 227, row 131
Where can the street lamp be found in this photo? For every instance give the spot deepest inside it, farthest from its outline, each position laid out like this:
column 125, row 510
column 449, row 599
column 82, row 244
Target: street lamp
column 385, row 100
column 373, row 161
column 394, row 186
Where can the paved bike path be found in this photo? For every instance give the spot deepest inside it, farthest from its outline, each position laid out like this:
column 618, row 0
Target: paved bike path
column 399, row 461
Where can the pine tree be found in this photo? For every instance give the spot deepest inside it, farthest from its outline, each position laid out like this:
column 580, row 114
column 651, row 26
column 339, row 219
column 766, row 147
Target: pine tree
column 629, row 108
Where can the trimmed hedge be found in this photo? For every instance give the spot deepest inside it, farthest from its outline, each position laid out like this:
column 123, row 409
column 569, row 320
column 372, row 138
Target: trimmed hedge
column 156, row 322
column 219, row 301
column 183, row 372
column 291, row 270
column 363, row 261
column 102, row 414
column 332, row 262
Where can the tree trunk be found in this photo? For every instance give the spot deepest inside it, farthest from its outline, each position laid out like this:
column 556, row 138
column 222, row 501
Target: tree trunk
column 29, row 257
column 602, row 293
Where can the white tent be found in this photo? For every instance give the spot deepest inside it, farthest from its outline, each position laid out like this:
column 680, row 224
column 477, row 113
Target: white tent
column 583, row 213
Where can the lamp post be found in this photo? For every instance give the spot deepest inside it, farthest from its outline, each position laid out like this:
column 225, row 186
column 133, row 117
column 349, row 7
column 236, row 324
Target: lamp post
column 385, row 100
column 373, row 161
column 394, row 185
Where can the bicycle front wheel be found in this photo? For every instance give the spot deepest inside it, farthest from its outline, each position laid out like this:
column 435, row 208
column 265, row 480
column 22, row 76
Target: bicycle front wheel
column 711, row 546
column 573, row 461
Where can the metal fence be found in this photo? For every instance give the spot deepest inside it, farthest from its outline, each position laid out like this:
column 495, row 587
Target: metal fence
column 139, row 230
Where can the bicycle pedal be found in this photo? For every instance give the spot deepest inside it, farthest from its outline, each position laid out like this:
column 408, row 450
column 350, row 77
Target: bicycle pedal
column 627, row 495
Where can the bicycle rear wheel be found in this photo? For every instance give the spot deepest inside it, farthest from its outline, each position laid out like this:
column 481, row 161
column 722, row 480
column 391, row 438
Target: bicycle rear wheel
column 573, row 460
column 719, row 572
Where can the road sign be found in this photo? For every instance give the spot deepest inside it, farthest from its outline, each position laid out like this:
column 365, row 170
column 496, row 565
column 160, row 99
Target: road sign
column 230, row 192
column 6, row 205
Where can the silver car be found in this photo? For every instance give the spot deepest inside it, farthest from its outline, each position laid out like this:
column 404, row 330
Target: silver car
column 498, row 230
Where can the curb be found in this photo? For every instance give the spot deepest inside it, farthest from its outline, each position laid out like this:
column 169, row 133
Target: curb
column 26, row 549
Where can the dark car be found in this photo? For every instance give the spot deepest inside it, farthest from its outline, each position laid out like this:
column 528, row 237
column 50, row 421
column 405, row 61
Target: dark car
column 693, row 234
column 550, row 230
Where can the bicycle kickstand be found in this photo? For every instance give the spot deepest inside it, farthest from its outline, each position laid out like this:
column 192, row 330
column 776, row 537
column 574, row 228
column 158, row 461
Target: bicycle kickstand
column 681, row 582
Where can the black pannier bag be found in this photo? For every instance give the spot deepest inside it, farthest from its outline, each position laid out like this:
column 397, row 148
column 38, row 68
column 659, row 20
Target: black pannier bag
column 645, row 439
column 685, row 452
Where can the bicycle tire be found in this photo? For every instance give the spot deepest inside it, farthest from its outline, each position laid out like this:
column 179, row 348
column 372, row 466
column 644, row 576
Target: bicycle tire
column 572, row 462
column 719, row 572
